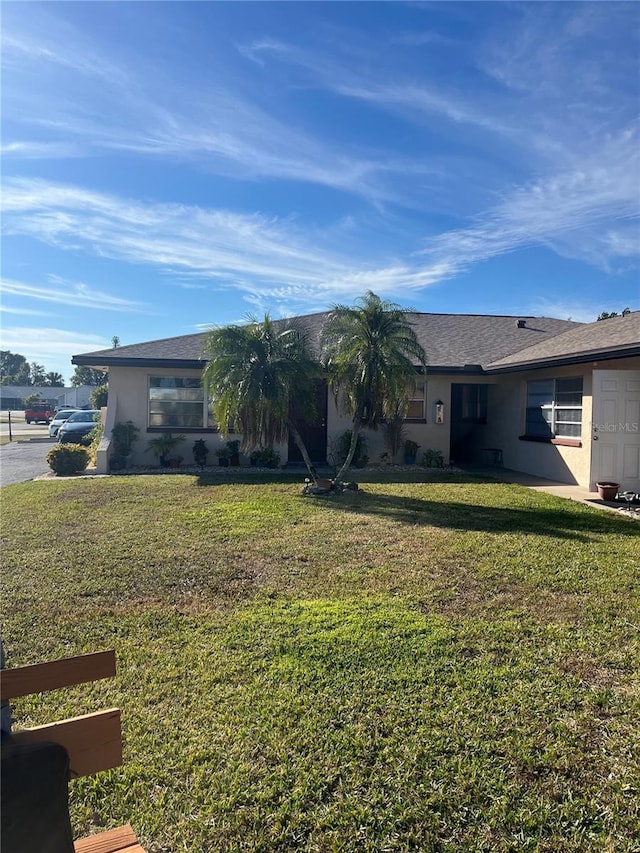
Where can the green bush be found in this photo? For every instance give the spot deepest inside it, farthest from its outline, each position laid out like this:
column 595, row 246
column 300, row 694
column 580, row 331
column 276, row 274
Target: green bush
column 67, row 459
column 433, row 459
column 99, row 397
column 265, row 457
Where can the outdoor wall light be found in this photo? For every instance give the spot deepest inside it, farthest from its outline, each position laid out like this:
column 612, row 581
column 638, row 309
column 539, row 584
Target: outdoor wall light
column 439, row 411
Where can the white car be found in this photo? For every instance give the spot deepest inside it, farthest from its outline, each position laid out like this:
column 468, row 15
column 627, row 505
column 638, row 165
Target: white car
column 58, row 419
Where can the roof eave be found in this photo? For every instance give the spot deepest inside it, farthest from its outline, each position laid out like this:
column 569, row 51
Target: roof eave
column 173, row 363
column 560, row 361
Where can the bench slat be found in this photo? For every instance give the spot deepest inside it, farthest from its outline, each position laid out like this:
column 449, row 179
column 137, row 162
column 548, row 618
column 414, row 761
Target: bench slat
column 93, row 741
column 121, row 839
column 42, row 677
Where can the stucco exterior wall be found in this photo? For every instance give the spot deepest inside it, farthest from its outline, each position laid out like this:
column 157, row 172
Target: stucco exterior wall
column 507, row 403
column 429, row 435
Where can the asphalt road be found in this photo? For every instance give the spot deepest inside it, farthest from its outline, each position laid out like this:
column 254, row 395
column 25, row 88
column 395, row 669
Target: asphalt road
column 24, row 460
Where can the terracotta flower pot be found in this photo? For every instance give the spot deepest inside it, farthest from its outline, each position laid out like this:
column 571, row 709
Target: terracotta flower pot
column 607, row 491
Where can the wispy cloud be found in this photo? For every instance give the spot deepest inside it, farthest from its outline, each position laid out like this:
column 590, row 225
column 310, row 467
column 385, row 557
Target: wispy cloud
column 266, row 258
column 64, row 292
column 262, row 257
column 224, row 132
column 25, row 312
column 39, row 150
column 572, row 213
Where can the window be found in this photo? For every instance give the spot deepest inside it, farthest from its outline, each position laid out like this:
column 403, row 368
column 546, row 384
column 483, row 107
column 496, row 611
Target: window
column 416, row 408
column 554, row 408
column 178, row 402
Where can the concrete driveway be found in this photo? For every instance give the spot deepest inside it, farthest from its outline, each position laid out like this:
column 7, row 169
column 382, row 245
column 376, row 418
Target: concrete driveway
column 24, row 460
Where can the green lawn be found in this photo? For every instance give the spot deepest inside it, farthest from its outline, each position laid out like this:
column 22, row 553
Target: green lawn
column 450, row 665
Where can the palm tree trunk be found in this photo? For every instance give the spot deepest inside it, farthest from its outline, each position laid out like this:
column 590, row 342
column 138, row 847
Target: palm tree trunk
column 355, row 432
column 293, row 429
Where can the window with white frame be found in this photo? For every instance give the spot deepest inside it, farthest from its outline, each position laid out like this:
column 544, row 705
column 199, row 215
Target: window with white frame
column 178, row 402
column 416, row 408
column 554, row 408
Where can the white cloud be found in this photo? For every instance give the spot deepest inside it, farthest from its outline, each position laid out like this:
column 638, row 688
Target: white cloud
column 30, row 150
column 266, row 258
column 257, row 255
column 27, row 312
column 576, row 213
column 69, row 293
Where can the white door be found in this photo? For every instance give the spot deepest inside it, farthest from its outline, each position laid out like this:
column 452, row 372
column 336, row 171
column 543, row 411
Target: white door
column 615, row 446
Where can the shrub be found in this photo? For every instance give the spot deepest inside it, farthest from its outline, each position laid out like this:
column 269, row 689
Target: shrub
column 99, row 397
column 67, row 459
column 265, row 457
column 394, row 435
column 92, row 440
column 433, row 459
column 124, row 436
column 200, row 452
column 410, row 448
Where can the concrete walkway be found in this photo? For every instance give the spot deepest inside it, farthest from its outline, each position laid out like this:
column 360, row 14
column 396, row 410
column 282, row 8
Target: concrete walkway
column 552, row 487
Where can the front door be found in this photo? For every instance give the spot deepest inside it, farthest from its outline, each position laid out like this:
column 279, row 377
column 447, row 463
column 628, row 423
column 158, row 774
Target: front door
column 312, row 429
column 615, row 433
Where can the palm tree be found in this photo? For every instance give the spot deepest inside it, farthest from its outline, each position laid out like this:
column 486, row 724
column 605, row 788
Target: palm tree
column 54, row 379
column 253, row 374
column 370, row 353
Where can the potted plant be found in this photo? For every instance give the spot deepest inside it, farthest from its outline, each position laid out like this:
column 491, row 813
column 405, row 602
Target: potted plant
column 410, row 451
column 223, row 456
column 607, row 490
column 163, row 445
column 123, row 437
column 200, row 452
column 234, row 452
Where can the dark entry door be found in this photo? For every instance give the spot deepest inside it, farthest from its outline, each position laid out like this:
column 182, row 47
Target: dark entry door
column 313, row 429
column 468, row 413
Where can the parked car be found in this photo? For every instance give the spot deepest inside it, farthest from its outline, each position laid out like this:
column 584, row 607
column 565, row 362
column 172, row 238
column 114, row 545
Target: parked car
column 38, row 413
column 58, row 419
column 77, row 426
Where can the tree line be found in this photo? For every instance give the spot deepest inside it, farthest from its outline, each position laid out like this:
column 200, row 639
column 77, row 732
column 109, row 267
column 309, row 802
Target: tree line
column 16, row 370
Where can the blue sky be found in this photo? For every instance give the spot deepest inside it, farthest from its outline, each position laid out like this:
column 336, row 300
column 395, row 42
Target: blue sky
column 169, row 166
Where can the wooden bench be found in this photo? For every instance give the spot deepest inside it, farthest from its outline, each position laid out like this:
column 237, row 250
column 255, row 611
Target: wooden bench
column 93, row 741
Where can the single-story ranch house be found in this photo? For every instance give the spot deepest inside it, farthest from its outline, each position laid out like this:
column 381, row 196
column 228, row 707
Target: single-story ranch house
column 549, row 397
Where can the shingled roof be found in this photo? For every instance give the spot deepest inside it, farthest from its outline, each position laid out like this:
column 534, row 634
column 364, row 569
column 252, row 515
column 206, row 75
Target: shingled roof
column 613, row 338
column 453, row 342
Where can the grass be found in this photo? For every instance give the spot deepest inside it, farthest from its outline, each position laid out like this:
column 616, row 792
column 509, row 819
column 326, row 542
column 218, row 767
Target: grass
column 437, row 666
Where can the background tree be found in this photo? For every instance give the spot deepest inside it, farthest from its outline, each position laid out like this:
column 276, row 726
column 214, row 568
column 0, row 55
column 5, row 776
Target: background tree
column 37, row 374
column 370, row 353
column 115, row 341
column 54, row 380
column 99, row 397
column 253, row 375
column 87, row 376
column 606, row 315
column 32, row 400
column 14, row 368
